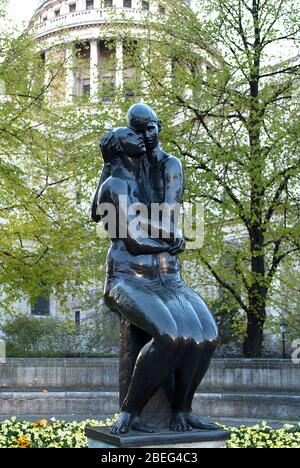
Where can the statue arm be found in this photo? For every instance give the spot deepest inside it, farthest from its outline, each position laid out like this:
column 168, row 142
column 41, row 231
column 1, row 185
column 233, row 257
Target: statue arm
column 136, row 243
column 167, row 227
column 157, row 226
column 95, row 204
column 145, row 246
column 174, row 190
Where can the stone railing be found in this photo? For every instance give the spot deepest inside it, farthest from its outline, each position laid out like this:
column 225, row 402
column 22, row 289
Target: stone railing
column 87, row 17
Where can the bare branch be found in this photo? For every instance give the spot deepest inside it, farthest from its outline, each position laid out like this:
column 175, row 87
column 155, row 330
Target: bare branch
column 223, row 283
column 288, row 70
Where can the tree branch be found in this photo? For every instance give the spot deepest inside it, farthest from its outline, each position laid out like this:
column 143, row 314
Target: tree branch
column 288, row 70
column 224, row 284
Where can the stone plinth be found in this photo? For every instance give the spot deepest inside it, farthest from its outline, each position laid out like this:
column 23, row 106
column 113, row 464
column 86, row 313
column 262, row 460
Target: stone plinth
column 101, row 438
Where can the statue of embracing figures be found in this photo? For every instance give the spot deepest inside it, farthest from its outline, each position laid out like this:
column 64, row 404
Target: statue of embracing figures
column 144, row 284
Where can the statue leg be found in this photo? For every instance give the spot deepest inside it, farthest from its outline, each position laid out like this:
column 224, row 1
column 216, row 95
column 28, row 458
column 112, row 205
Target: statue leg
column 201, row 357
column 188, row 378
column 156, row 361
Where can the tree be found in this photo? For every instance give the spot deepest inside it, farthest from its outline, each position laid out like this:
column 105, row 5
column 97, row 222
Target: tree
column 49, row 166
column 237, row 130
column 285, row 300
column 229, row 321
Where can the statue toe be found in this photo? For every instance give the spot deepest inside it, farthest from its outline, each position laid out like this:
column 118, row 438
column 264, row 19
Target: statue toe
column 139, row 426
column 122, row 429
column 200, row 423
column 179, row 424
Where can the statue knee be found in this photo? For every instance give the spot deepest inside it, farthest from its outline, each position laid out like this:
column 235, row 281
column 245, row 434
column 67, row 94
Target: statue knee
column 170, row 340
column 208, row 346
column 214, row 339
column 211, row 346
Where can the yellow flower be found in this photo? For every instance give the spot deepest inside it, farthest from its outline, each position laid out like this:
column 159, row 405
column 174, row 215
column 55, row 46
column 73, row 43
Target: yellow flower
column 42, row 423
column 23, row 442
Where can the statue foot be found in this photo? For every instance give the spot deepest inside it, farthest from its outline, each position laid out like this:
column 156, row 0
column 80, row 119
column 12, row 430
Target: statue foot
column 138, row 425
column 200, row 423
column 123, row 425
column 179, row 423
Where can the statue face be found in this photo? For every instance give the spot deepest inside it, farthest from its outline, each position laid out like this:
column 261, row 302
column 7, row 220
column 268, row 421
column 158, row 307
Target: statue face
column 143, row 119
column 133, row 143
column 150, row 131
column 151, row 134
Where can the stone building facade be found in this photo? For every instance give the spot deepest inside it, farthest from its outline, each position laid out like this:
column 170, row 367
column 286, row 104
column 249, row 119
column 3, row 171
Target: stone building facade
column 79, row 31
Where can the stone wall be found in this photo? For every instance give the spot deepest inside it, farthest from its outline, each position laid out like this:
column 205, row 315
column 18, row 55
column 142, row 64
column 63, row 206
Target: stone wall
column 88, row 388
column 234, row 375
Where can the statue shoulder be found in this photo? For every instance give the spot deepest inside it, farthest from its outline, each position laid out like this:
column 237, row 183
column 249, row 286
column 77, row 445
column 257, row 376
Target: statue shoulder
column 114, row 186
column 173, row 165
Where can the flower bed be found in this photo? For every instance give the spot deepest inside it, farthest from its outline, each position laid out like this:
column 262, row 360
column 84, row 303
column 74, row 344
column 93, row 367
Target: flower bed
column 45, row 434
column 60, row 434
column 265, row 437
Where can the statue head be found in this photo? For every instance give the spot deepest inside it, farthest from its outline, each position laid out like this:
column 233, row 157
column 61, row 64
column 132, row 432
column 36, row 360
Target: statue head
column 122, row 142
column 143, row 119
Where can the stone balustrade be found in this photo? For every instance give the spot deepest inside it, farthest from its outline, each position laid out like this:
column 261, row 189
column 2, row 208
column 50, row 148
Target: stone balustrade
column 86, row 18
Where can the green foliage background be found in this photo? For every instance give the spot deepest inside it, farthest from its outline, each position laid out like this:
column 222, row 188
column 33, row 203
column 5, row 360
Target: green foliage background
column 236, row 130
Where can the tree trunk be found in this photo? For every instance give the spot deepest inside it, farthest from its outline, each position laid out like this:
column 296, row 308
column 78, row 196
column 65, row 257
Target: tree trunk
column 257, row 296
column 253, row 344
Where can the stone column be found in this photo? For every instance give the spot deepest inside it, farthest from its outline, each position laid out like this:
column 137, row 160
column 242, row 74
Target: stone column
column 94, row 68
column 64, row 8
column 153, row 7
column 81, row 5
column 47, row 77
column 119, row 65
column 169, row 72
column 145, row 80
column 70, row 81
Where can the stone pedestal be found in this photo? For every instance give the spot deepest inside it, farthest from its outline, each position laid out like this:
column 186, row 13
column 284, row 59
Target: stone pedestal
column 101, row 438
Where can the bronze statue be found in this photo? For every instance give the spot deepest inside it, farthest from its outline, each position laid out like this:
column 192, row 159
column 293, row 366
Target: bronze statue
column 144, row 283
